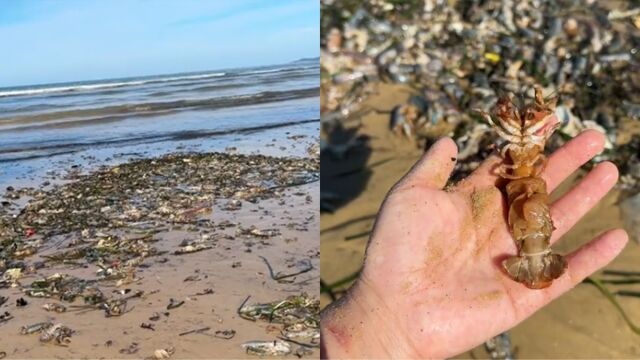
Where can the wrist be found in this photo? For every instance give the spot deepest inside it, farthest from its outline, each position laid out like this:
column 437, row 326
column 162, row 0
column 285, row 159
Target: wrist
column 346, row 330
column 353, row 328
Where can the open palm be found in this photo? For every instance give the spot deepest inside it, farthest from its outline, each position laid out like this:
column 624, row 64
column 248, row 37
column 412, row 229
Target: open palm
column 432, row 285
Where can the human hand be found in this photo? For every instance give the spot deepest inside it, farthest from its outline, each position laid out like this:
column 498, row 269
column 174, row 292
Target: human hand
column 432, row 285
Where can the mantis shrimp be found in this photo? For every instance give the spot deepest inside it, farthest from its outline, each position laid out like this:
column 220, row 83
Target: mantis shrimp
column 526, row 131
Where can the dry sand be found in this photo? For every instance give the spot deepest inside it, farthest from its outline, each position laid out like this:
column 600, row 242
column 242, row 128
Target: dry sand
column 580, row 324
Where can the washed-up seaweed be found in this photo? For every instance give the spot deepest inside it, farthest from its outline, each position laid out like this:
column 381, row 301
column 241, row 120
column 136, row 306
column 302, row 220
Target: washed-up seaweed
column 605, row 291
column 174, row 188
column 267, row 348
column 280, row 277
column 58, row 334
column 109, row 218
column 299, row 316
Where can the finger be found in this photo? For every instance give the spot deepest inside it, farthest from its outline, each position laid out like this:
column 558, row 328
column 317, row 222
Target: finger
column 435, row 166
column 561, row 164
column 571, row 207
column 581, row 263
column 571, row 156
column 594, row 255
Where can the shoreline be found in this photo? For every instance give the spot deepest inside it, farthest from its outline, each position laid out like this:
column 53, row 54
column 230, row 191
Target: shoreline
column 151, row 139
column 50, row 168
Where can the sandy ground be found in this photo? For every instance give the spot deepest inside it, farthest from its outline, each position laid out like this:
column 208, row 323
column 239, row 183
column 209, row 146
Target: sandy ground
column 580, row 324
column 232, row 269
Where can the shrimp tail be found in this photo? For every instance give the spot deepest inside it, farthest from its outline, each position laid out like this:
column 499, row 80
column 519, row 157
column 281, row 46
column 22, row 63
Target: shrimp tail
column 535, row 271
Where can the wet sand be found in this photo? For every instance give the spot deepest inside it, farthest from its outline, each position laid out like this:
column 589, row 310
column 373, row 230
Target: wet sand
column 580, row 324
column 273, row 141
column 232, row 268
column 213, row 269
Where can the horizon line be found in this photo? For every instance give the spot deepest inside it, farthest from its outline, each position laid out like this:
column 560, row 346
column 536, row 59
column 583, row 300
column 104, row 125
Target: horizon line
column 157, row 74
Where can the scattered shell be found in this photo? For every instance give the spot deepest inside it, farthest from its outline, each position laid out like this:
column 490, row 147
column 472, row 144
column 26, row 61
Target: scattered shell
column 464, row 56
column 163, row 353
column 60, row 334
column 267, row 348
column 59, row 308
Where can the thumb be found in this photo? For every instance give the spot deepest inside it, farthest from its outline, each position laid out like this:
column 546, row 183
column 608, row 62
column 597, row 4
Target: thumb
column 435, row 166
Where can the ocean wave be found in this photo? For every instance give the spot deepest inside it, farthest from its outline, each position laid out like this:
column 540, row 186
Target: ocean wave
column 80, row 117
column 205, row 88
column 267, row 71
column 86, row 87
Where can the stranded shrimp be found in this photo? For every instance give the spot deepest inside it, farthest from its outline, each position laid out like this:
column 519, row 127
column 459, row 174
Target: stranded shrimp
column 526, row 131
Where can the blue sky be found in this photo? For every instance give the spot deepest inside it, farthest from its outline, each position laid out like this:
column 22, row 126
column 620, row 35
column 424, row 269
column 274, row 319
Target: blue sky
column 46, row 41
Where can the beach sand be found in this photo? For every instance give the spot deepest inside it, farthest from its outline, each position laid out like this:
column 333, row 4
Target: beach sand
column 232, row 268
column 580, row 324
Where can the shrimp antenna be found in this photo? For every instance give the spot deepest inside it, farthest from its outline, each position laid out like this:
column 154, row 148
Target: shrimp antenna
column 553, row 94
column 552, row 99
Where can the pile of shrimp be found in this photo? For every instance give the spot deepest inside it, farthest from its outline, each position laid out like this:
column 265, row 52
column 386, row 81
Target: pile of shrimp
column 525, row 131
